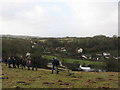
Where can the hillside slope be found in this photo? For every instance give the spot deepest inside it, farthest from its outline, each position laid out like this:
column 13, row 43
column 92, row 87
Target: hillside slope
column 44, row 79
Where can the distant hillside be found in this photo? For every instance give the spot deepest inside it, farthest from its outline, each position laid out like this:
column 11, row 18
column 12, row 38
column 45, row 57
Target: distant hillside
column 19, row 36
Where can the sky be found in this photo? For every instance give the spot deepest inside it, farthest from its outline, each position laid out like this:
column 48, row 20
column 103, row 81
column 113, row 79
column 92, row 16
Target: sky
column 59, row 18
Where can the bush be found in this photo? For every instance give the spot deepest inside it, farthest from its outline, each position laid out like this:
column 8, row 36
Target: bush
column 112, row 65
column 41, row 62
column 72, row 66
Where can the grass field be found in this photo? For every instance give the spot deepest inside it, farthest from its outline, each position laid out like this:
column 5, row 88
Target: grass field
column 42, row 40
column 44, row 79
column 49, row 57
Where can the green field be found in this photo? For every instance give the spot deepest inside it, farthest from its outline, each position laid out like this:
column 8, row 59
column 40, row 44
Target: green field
column 41, row 40
column 49, row 57
column 44, row 79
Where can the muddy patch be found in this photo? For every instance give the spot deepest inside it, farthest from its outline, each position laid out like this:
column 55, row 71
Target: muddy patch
column 17, row 87
column 104, row 87
column 45, row 82
column 59, row 80
column 48, row 83
column 22, row 82
column 66, row 84
column 110, row 79
column 61, row 84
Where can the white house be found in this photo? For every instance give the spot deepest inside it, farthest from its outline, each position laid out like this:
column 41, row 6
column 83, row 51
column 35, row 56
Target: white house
column 63, row 49
column 80, row 50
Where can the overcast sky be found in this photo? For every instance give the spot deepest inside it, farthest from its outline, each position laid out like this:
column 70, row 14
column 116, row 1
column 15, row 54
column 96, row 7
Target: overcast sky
column 59, row 18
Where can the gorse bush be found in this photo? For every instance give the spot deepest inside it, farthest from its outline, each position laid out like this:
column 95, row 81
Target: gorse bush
column 113, row 65
column 39, row 61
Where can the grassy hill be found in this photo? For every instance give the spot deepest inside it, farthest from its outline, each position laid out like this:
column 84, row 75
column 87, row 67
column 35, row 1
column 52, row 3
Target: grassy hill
column 14, row 78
